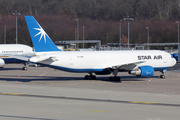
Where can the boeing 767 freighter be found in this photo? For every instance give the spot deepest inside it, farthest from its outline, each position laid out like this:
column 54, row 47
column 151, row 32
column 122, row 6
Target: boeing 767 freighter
column 136, row 62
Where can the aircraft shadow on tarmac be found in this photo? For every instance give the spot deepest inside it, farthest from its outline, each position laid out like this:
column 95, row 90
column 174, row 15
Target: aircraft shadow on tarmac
column 6, row 69
column 50, row 78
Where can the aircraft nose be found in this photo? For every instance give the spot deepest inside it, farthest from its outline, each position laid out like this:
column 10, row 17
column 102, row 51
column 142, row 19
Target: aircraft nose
column 174, row 61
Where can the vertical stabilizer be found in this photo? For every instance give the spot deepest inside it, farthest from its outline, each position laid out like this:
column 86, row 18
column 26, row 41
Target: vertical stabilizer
column 41, row 41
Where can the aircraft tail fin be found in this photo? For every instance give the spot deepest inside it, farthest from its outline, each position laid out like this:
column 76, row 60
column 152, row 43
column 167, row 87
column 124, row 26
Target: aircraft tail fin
column 41, row 41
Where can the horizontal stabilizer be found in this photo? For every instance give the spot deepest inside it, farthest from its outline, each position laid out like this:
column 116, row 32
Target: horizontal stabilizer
column 40, row 58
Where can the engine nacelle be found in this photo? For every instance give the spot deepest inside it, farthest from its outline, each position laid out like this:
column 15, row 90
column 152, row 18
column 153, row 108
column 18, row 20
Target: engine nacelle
column 2, row 63
column 144, row 71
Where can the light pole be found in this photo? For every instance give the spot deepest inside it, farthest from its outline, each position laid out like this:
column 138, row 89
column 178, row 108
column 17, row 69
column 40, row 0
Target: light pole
column 120, row 34
column 83, row 36
column 128, row 19
column 16, row 14
column 77, row 32
column 4, row 34
column 147, row 37
column 178, row 42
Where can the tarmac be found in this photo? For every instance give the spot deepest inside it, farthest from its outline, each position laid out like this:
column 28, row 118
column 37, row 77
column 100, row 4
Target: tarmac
column 42, row 93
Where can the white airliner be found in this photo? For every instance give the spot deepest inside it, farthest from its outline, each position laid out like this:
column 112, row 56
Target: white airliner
column 7, row 50
column 140, row 63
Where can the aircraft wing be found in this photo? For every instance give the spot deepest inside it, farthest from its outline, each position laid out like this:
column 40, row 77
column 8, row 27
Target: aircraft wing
column 128, row 66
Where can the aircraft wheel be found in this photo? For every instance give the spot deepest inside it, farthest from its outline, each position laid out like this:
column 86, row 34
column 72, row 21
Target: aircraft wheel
column 86, row 77
column 118, row 79
column 90, row 77
column 162, row 76
column 24, row 68
column 93, row 77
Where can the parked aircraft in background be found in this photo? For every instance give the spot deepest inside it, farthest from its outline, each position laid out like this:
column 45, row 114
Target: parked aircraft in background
column 7, row 50
column 138, row 62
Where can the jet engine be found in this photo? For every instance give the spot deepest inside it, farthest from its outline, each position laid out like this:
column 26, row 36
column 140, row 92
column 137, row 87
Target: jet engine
column 144, row 71
column 2, row 63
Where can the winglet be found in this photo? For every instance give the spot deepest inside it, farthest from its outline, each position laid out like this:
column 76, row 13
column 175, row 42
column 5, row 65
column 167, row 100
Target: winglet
column 41, row 41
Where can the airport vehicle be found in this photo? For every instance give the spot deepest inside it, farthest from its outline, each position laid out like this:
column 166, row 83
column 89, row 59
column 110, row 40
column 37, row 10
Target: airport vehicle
column 138, row 62
column 175, row 55
column 7, row 50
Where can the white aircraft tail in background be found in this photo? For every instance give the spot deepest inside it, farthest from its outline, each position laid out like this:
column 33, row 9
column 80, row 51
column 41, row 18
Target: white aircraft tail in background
column 138, row 62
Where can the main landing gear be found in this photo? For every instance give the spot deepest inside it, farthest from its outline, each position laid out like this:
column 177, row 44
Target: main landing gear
column 115, row 78
column 90, row 77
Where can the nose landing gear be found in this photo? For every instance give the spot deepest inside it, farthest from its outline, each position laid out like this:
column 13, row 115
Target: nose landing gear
column 24, row 67
column 163, row 75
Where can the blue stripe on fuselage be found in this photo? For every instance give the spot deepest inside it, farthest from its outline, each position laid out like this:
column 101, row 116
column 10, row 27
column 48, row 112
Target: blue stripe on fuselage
column 89, row 70
column 12, row 60
column 72, row 69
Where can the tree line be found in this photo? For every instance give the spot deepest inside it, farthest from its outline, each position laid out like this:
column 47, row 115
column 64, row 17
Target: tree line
column 100, row 18
column 96, row 9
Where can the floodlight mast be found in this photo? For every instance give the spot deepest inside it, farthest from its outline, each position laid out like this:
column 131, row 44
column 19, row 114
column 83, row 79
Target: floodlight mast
column 120, row 34
column 147, row 37
column 178, row 43
column 77, row 33
column 16, row 14
column 128, row 19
